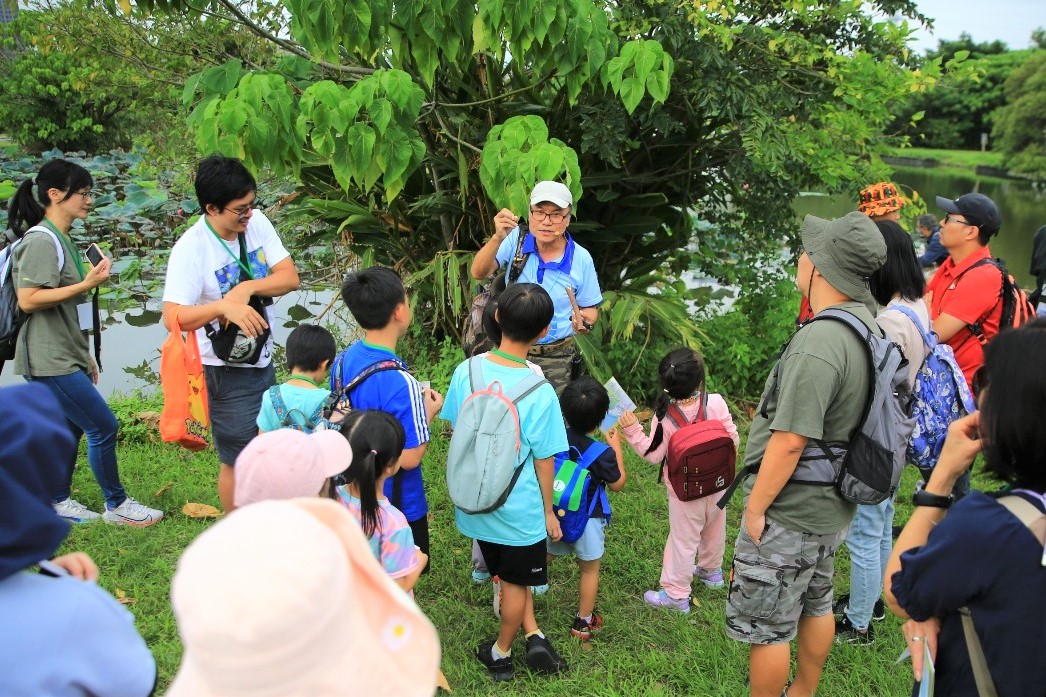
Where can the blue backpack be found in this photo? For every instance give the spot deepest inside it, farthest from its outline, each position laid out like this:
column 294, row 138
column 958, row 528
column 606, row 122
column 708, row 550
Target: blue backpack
column 295, row 418
column 573, row 499
column 941, row 396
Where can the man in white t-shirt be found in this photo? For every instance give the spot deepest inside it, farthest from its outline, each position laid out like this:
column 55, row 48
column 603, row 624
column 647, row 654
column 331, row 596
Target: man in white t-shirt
column 210, row 281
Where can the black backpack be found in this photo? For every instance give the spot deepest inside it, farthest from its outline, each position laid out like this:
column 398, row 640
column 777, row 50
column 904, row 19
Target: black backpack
column 11, row 316
column 1016, row 309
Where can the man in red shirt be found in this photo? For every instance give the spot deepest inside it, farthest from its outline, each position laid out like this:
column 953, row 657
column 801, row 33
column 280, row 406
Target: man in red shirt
column 960, row 296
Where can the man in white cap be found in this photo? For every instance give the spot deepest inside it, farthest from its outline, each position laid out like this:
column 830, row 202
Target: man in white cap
column 554, row 261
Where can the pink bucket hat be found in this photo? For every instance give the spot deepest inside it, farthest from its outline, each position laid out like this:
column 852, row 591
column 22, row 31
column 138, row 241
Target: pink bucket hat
column 285, row 598
column 287, row 464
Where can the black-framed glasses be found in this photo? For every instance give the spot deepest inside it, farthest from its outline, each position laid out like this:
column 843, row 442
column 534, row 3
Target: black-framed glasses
column 86, row 194
column 540, row 216
column 245, row 210
column 949, row 219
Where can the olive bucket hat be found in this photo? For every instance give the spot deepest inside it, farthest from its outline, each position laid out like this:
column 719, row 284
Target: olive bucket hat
column 846, row 251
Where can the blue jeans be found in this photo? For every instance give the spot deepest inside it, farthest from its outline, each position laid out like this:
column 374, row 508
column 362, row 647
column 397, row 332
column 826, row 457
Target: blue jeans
column 869, row 541
column 87, row 413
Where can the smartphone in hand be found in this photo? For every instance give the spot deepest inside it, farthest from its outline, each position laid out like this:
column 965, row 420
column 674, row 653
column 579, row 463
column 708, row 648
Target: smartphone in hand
column 94, row 254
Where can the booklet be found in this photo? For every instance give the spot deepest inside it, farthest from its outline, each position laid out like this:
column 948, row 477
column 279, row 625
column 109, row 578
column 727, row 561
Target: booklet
column 620, row 402
column 929, row 673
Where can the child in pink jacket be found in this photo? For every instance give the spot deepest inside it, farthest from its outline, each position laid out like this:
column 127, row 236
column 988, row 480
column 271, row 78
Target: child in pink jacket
column 697, row 529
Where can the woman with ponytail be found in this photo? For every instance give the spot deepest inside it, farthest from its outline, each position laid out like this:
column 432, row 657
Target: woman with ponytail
column 377, row 440
column 52, row 278
column 696, row 529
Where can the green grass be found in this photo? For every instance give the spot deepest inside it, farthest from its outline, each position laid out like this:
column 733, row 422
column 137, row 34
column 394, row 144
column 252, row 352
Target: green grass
column 958, row 159
column 641, row 651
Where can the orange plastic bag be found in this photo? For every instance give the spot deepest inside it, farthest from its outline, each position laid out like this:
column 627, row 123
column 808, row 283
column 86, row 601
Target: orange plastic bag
column 185, row 419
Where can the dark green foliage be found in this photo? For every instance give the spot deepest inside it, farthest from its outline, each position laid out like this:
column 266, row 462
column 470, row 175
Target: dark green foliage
column 1020, row 126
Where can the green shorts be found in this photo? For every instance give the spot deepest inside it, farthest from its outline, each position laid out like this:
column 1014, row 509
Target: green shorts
column 786, row 576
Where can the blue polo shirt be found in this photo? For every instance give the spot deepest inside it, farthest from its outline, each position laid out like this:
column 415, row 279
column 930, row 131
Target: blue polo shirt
column 574, row 269
column 399, row 394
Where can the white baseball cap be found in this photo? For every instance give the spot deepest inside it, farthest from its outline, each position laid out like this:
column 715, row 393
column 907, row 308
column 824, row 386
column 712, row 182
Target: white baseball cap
column 552, row 192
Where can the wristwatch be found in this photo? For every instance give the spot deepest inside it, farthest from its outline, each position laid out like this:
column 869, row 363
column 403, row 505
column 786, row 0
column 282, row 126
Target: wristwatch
column 921, row 497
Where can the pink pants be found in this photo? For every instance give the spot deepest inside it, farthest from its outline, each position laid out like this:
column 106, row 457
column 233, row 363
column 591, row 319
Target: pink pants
column 695, row 528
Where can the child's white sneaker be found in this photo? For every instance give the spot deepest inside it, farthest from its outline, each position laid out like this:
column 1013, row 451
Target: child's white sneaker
column 130, row 512
column 75, row 512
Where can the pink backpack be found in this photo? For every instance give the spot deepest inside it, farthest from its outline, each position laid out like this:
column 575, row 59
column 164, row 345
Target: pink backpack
column 701, row 457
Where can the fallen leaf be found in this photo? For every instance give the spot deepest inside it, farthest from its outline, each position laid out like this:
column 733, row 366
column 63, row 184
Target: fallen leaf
column 458, row 551
column 163, row 489
column 586, row 646
column 151, row 418
column 121, row 551
column 200, row 510
column 697, row 603
column 121, row 597
column 441, row 682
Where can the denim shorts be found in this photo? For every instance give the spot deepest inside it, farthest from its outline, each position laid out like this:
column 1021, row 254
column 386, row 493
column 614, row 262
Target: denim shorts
column 234, row 398
column 786, row 576
column 589, row 547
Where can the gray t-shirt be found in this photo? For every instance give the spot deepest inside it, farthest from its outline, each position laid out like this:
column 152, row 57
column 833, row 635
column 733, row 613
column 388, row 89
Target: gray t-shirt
column 51, row 339
column 823, row 383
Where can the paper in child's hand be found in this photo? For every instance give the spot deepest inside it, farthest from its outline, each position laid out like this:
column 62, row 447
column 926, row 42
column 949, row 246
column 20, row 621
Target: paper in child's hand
column 619, row 404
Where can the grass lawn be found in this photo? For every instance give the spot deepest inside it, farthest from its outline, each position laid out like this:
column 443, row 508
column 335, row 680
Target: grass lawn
column 641, row 651
column 958, row 159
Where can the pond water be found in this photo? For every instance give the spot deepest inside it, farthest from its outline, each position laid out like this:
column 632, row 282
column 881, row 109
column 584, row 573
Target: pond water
column 1021, row 205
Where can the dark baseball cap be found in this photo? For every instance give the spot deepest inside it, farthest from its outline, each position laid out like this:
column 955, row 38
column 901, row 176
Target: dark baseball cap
column 976, row 208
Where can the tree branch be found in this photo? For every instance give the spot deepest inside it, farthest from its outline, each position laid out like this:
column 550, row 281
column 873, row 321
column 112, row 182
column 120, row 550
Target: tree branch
column 288, row 46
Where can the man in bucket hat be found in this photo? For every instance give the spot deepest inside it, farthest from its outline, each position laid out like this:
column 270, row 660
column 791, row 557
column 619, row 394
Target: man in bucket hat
column 784, row 557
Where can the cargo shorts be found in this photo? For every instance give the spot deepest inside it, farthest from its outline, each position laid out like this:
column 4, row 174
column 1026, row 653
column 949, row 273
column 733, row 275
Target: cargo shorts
column 786, row 576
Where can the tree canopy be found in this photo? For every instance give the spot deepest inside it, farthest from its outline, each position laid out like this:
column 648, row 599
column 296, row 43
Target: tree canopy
column 409, row 124
column 1020, row 125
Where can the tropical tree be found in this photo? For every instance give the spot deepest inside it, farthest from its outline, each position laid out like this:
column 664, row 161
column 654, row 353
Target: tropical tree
column 1020, row 125
column 409, row 124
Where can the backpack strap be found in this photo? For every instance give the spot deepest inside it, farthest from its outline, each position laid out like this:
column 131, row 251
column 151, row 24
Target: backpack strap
column 372, row 369
column 864, row 335
column 674, row 414
column 928, row 340
column 58, row 247
column 278, row 404
column 524, row 387
column 592, row 453
column 977, row 328
column 1027, row 513
column 519, row 259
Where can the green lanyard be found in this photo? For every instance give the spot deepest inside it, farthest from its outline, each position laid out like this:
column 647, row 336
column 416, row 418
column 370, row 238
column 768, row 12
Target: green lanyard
column 246, row 269
column 305, row 378
column 509, row 357
column 66, row 244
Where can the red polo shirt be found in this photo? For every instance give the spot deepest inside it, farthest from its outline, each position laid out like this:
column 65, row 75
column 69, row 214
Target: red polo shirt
column 975, row 297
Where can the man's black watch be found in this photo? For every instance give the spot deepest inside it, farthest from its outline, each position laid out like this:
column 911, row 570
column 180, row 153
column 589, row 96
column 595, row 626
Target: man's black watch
column 921, row 497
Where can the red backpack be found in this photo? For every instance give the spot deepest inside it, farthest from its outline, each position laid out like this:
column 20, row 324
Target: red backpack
column 701, row 456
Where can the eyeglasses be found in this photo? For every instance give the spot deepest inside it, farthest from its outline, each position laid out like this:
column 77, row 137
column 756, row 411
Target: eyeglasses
column 539, row 216
column 245, row 210
column 949, row 219
column 86, row 194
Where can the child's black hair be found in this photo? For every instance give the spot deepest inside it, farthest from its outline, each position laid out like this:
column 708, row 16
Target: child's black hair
column 681, row 374
column 901, row 272
column 24, row 211
column 372, row 295
column 524, row 310
column 308, row 346
column 584, row 403
column 221, row 179
column 377, row 439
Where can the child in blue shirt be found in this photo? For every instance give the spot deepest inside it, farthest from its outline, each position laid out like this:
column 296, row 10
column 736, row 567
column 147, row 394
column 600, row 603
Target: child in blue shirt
column 585, row 403
column 298, row 402
column 512, row 537
column 378, row 302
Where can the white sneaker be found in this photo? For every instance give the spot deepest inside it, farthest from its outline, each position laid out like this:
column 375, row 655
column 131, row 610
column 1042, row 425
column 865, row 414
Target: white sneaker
column 75, row 512
column 130, row 512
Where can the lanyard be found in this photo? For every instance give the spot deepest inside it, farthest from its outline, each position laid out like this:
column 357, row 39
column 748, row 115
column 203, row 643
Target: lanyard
column 1029, row 492
column 305, row 378
column 509, row 357
column 73, row 252
column 243, row 241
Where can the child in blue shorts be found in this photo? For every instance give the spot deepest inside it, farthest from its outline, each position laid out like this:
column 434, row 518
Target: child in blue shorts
column 585, row 403
column 298, row 402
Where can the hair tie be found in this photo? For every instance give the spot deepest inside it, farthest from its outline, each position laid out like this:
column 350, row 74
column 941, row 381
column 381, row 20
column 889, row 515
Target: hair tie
column 374, row 452
column 671, row 365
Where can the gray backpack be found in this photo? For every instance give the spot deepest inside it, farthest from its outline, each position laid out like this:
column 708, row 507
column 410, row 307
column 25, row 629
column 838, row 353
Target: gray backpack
column 485, row 457
column 866, row 469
